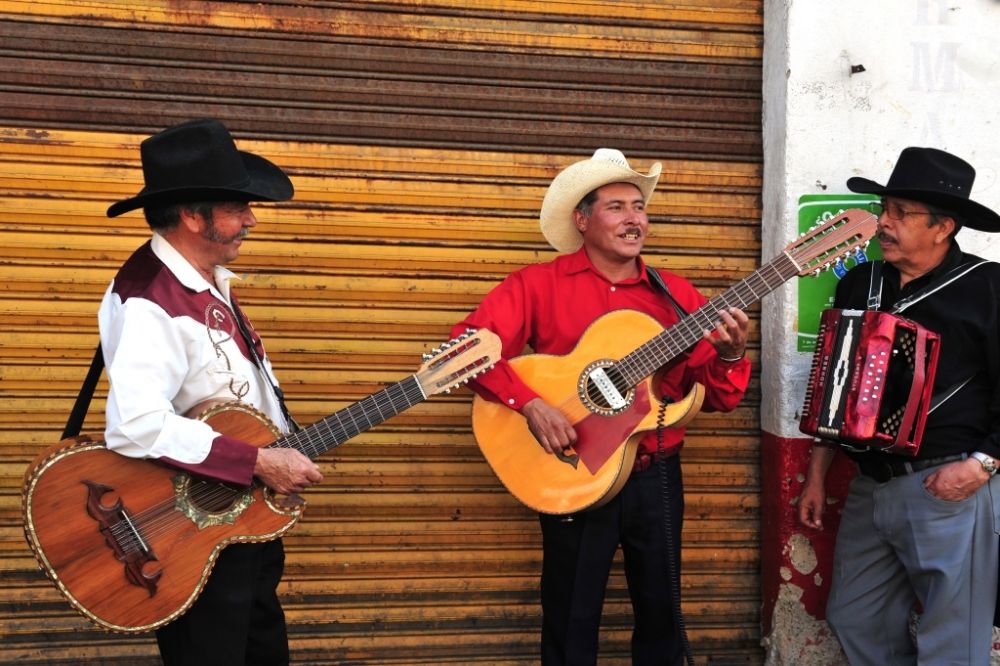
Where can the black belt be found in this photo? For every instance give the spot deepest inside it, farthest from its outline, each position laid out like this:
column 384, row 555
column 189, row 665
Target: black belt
column 883, row 470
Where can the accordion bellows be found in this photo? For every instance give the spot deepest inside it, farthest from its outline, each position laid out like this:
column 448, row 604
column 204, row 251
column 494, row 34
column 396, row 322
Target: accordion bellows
column 871, row 381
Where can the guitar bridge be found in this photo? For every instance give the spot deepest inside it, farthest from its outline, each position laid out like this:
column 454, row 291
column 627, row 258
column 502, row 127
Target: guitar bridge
column 123, row 536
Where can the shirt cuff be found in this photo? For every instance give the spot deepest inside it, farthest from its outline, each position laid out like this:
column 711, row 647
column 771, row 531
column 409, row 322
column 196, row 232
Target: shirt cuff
column 727, row 367
column 518, row 397
column 230, row 460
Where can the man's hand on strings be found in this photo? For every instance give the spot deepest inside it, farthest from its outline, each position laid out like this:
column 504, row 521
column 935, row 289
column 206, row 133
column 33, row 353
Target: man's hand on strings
column 729, row 337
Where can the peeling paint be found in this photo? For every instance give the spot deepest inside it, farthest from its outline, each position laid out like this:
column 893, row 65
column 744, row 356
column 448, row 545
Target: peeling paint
column 798, row 638
column 801, row 554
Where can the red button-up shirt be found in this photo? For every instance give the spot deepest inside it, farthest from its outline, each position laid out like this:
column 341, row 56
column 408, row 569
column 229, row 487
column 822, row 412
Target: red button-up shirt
column 548, row 307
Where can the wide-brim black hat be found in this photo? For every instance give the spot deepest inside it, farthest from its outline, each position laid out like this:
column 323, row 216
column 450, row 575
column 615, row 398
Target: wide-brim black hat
column 198, row 161
column 937, row 178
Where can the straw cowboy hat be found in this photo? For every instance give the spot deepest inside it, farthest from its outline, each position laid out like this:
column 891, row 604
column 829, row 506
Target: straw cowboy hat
column 576, row 181
column 198, row 161
column 933, row 177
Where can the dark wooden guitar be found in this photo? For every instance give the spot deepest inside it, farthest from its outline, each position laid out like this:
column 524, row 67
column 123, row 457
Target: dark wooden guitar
column 604, row 385
column 130, row 543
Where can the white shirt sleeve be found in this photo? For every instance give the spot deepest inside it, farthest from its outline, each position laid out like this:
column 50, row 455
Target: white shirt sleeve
column 147, row 354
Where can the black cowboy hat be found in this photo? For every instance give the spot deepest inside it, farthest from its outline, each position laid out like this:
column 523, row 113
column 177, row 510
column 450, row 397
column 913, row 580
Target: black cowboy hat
column 933, row 177
column 198, row 161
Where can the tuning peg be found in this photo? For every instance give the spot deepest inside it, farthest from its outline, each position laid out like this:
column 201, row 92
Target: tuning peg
column 426, row 356
column 839, row 269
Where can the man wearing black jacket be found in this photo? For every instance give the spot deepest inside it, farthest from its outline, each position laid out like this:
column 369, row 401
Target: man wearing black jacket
column 918, row 533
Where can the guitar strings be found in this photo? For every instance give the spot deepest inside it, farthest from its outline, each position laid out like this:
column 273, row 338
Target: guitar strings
column 635, row 366
column 161, row 517
column 131, row 531
column 152, row 522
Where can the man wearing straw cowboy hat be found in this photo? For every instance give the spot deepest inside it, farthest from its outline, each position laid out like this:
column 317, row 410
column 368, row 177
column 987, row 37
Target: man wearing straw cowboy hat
column 594, row 212
column 173, row 338
column 921, row 532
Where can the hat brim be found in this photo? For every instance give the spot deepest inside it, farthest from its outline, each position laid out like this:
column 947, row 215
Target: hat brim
column 266, row 182
column 977, row 216
column 574, row 183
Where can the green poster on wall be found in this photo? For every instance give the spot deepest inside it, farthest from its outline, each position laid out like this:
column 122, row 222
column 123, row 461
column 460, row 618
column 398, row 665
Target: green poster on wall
column 816, row 293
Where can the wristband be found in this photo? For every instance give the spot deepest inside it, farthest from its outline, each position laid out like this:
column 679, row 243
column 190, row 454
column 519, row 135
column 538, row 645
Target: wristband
column 726, row 359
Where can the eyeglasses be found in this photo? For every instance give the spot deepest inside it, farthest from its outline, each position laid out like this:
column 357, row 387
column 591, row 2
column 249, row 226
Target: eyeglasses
column 894, row 211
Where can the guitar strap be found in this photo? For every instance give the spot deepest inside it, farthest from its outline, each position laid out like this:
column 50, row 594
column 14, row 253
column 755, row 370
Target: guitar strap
column 245, row 332
column 79, row 412
column 657, row 279
column 75, row 421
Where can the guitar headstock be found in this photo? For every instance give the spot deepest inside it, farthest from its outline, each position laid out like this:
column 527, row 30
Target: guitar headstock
column 457, row 361
column 820, row 247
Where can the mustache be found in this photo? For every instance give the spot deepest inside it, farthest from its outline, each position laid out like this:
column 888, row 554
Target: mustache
column 214, row 236
column 883, row 236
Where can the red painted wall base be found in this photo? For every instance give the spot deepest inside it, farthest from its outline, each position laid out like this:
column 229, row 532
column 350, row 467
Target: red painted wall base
column 796, row 561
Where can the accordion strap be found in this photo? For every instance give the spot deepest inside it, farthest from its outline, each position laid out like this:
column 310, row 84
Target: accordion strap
column 875, row 285
column 936, row 285
column 875, row 299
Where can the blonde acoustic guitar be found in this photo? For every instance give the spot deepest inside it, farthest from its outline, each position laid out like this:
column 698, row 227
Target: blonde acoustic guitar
column 604, row 385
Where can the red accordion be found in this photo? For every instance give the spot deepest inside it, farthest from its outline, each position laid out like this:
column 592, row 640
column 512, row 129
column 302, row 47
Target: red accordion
column 871, row 381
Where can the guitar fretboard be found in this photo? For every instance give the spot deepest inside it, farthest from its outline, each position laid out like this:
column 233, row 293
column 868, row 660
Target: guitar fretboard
column 680, row 337
column 344, row 424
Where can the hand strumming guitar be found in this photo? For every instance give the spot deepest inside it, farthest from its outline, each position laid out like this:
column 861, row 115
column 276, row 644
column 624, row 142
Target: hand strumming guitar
column 286, row 470
column 549, row 426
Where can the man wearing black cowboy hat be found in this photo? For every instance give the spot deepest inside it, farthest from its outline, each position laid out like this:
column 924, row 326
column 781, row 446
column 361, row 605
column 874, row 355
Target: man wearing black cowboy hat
column 918, row 534
column 175, row 339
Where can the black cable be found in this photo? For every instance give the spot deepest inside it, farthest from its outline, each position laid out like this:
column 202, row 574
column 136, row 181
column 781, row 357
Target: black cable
column 673, row 553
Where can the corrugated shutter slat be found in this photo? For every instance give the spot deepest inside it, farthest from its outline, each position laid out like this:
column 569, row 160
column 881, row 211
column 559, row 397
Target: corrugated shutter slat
column 421, row 135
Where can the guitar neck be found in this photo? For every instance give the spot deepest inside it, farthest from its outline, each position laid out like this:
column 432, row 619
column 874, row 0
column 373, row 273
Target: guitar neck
column 683, row 335
column 355, row 419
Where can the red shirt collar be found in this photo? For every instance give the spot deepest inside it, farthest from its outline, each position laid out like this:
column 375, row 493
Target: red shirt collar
column 579, row 262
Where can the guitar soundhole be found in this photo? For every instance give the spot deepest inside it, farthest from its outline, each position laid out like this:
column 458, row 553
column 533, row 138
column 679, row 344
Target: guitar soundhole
column 213, row 497
column 209, row 503
column 595, row 399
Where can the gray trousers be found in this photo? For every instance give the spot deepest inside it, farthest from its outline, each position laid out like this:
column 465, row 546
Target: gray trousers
column 898, row 549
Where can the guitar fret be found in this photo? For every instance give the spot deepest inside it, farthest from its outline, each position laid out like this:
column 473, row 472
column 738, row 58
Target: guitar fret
column 357, row 418
column 673, row 341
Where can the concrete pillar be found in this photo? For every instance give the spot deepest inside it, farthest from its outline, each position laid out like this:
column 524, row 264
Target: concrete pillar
column 846, row 87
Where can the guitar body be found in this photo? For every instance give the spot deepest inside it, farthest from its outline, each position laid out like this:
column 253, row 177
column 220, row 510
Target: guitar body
column 607, row 442
column 139, row 573
column 603, row 386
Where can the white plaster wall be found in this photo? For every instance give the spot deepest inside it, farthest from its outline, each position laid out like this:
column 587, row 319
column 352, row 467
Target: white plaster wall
column 932, row 78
